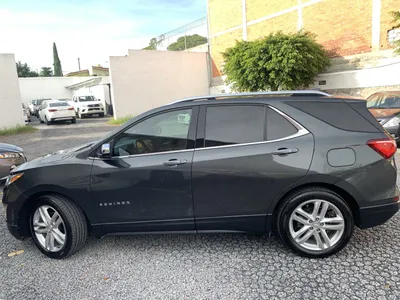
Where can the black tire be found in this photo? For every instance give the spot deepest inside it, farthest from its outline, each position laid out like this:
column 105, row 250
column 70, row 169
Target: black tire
column 75, row 225
column 73, row 121
column 41, row 120
column 47, row 121
column 101, row 115
column 293, row 201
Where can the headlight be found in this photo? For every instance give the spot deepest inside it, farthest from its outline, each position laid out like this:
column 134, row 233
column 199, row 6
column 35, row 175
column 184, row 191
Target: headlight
column 13, row 178
column 392, row 122
column 10, row 155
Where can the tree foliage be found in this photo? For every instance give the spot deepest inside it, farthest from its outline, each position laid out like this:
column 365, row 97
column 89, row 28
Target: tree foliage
column 24, row 70
column 152, row 45
column 277, row 62
column 46, row 72
column 396, row 19
column 56, row 62
column 191, row 41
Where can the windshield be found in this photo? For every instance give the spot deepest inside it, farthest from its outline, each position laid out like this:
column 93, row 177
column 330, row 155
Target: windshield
column 57, row 104
column 86, row 98
column 39, row 102
column 383, row 101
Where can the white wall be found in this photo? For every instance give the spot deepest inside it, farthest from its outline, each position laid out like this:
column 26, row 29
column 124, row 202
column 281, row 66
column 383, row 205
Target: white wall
column 11, row 113
column 47, row 87
column 148, row 79
column 386, row 75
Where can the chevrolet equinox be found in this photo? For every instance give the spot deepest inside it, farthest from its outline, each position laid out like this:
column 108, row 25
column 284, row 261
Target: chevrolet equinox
column 303, row 163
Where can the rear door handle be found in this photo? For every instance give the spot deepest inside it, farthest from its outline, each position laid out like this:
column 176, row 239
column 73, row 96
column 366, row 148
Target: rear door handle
column 285, row 151
column 175, row 162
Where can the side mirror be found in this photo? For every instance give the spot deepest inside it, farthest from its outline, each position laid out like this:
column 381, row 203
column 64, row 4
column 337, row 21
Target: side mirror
column 105, row 150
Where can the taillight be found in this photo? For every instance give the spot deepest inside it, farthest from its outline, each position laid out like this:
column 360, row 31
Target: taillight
column 52, row 110
column 71, row 108
column 386, row 147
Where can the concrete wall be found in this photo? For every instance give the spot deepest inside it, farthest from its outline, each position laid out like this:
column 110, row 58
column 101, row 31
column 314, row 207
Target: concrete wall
column 11, row 113
column 148, row 79
column 47, row 87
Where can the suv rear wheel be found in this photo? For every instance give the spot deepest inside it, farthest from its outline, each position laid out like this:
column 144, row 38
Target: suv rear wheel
column 58, row 226
column 315, row 222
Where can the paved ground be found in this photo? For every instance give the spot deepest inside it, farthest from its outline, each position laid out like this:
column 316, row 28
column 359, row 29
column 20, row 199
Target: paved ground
column 192, row 266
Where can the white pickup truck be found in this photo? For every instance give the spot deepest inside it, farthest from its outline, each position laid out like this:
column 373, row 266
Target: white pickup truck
column 87, row 105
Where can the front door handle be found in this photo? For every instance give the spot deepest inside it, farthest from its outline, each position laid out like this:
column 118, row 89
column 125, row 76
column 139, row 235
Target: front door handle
column 175, row 162
column 285, row 151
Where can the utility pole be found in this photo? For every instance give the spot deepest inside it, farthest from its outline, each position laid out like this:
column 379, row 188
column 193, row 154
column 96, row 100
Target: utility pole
column 79, row 64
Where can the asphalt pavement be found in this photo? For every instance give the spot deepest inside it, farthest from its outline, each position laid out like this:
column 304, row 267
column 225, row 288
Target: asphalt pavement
column 189, row 266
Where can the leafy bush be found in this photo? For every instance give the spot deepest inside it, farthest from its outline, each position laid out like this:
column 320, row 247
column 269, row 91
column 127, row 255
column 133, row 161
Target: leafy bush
column 277, row 62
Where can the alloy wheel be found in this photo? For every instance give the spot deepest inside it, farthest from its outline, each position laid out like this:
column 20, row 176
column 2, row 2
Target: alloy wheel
column 49, row 228
column 316, row 225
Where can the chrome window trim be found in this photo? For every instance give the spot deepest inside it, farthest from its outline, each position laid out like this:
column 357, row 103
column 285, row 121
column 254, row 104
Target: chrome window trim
column 301, row 131
column 145, row 154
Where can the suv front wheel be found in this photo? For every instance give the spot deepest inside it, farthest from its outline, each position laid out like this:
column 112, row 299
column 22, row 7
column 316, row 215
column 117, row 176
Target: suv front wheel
column 315, row 222
column 58, row 226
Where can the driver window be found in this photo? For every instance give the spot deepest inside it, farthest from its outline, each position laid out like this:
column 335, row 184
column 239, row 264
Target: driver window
column 160, row 133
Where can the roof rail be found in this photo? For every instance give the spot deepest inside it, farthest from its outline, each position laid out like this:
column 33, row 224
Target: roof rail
column 238, row 95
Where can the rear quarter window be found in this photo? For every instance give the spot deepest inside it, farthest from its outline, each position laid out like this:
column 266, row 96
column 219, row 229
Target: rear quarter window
column 337, row 114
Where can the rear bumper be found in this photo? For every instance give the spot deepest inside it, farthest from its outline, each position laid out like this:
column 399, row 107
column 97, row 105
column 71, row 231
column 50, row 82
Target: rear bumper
column 377, row 215
column 393, row 131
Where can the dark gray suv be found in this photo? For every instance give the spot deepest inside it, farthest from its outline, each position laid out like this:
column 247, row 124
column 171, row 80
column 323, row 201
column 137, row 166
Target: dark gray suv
column 305, row 164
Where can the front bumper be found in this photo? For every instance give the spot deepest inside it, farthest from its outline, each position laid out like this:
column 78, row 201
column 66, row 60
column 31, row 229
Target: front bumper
column 377, row 215
column 91, row 110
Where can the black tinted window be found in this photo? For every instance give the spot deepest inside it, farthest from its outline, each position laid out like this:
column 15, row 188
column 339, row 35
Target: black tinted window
column 277, row 126
column 337, row 114
column 57, row 104
column 227, row 125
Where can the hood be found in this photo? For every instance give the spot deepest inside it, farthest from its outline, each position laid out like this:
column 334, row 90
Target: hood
column 51, row 158
column 9, row 148
column 384, row 112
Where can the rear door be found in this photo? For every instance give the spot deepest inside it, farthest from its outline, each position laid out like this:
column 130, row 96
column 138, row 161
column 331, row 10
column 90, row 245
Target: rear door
column 245, row 155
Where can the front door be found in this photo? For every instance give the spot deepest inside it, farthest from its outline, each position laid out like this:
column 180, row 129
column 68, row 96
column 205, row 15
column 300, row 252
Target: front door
column 146, row 185
column 248, row 154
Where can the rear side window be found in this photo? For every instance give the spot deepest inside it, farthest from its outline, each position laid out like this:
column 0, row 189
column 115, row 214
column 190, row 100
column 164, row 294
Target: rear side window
column 230, row 125
column 277, row 126
column 337, row 114
column 57, row 104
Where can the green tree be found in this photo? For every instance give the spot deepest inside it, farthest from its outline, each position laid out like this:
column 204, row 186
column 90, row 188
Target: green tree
column 24, row 70
column 56, row 62
column 277, row 62
column 152, row 45
column 396, row 19
column 191, row 41
column 46, row 72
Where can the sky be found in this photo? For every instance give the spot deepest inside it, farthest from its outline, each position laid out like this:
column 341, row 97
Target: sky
column 92, row 30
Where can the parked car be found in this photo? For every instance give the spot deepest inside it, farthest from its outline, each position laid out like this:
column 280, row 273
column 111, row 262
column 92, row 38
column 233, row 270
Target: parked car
column 292, row 161
column 55, row 111
column 27, row 115
column 87, row 105
column 385, row 106
column 34, row 106
column 10, row 156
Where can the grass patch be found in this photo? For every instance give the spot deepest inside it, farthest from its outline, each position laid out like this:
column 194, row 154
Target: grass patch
column 19, row 129
column 120, row 121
